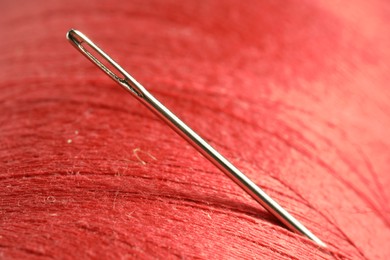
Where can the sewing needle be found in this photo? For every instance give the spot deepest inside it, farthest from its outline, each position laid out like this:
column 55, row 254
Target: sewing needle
column 119, row 75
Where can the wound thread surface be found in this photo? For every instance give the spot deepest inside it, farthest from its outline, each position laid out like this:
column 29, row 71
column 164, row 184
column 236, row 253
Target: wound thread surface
column 293, row 93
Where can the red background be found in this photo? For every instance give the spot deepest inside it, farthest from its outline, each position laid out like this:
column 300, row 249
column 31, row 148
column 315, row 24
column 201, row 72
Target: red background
column 295, row 93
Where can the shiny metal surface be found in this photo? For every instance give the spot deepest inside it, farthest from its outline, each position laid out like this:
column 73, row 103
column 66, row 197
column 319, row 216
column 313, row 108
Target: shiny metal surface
column 119, row 75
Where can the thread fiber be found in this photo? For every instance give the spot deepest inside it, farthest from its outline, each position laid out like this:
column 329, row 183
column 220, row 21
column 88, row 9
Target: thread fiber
column 294, row 93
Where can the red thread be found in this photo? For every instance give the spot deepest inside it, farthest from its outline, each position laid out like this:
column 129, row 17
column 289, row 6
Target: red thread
column 294, row 93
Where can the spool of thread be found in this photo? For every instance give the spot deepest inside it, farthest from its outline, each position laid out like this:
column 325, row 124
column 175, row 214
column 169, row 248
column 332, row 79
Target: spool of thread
column 297, row 91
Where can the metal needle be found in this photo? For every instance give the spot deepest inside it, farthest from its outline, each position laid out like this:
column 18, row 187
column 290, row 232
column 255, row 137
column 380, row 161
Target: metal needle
column 119, row 75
